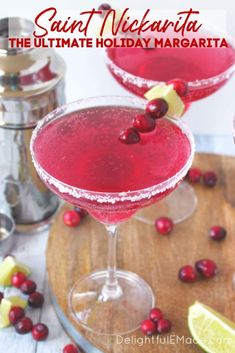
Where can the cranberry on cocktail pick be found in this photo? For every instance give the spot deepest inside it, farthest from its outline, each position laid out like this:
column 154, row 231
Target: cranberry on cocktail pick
column 71, row 218
column 180, row 86
column 194, row 175
column 40, row 332
column 206, row 268
column 157, row 108
column 104, row 7
column 148, row 327
column 217, row 233
column 187, row 274
column 129, row 136
column 144, row 123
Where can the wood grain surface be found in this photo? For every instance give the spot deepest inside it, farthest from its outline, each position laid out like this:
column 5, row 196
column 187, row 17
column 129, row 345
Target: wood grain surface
column 72, row 253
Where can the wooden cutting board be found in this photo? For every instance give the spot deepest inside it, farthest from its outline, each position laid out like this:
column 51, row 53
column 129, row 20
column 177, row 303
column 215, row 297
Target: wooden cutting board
column 72, row 253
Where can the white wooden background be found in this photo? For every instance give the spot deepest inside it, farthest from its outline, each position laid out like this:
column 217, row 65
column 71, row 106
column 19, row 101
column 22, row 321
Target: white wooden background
column 31, row 250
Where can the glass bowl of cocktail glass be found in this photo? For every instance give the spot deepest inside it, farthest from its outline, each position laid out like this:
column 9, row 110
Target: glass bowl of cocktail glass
column 205, row 69
column 77, row 153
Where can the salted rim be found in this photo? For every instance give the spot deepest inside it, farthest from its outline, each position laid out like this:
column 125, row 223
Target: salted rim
column 142, row 82
column 108, row 197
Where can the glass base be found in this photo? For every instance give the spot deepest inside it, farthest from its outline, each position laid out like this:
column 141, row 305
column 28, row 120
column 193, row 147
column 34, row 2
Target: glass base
column 94, row 311
column 179, row 205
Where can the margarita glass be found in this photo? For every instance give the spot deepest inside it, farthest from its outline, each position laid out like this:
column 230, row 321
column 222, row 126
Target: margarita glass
column 77, row 153
column 205, row 69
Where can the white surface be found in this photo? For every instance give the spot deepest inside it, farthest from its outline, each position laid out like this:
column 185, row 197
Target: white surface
column 88, row 76
column 30, row 249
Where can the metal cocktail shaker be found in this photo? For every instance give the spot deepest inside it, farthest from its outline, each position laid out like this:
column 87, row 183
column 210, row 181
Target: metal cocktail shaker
column 31, row 85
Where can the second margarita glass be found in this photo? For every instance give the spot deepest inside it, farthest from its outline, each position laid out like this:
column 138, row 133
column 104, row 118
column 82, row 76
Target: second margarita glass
column 205, row 69
column 77, row 153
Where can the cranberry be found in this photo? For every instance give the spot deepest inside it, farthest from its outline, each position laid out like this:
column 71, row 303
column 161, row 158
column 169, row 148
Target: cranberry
column 28, row 287
column 104, row 7
column 129, row 136
column 164, row 225
column 148, row 327
column 24, row 325
column 209, row 179
column 1, row 296
column 157, row 108
column 71, row 348
column 187, row 274
column 82, row 213
column 144, row 123
column 71, row 218
column 206, row 268
column 15, row 314
column 194, row 175
column 180, row 86
column 40, row 332
column 155, row 315
column 217, row 233
column 17, row 279
column 163, row 326
column 36, row 300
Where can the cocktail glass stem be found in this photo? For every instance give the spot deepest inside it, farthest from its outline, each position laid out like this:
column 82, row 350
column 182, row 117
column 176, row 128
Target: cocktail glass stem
column 111, row 301
column 112, row 290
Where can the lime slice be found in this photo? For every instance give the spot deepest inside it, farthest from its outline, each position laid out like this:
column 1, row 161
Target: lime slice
column 109, row 23
column 8, row 267
column 5, row 307
column 176, row 106
column 213, row 332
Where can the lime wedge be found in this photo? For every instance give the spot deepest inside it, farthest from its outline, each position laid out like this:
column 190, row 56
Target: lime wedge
column 176, row 106
column 213, row 332
column 109, row 23
column 5, row 307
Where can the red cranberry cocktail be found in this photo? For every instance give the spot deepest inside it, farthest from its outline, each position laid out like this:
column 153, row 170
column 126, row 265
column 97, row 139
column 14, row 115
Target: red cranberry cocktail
column 78, row 154
column 82, row 150
column 205, row 69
